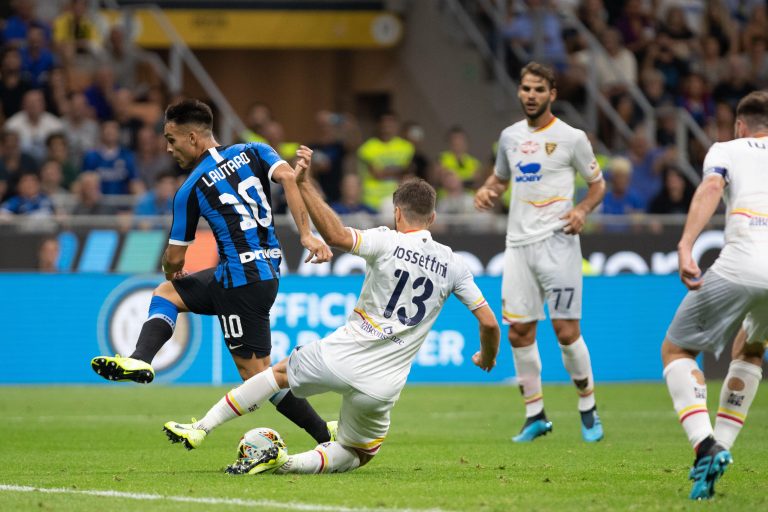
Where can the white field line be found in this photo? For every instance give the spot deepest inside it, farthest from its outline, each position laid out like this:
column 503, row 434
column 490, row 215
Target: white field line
column 208, row 501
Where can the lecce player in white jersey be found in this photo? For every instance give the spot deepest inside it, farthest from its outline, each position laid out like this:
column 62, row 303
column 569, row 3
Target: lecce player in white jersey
column 408, row 278
column 539, row 157
column 731, row 297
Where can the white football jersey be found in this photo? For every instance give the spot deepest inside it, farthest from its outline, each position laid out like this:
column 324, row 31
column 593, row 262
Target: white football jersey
column 408, row 278
column 743, row 163
column 541, row 165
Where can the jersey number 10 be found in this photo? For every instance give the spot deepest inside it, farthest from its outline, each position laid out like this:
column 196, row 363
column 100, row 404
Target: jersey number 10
column 250, row 215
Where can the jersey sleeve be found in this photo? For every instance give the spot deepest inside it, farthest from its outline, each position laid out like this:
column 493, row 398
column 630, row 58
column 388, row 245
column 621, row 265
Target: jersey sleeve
column 502, row 168
column 584, row 160
column 465, row 288
column 370, row 243
column 186, row 214
column 718, row 162
column 267, row 156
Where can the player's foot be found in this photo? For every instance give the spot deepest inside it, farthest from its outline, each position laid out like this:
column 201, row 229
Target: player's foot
column 333, row 429
column 123, row 368
column 185, row 432
column 711, row 462
column 271, row 459
column 591, row 426
column 534, row 426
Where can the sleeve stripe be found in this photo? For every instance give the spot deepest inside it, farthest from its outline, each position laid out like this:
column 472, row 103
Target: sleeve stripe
column 179, row 242
column 358, row 241
column 275, row 166
column 478, row 304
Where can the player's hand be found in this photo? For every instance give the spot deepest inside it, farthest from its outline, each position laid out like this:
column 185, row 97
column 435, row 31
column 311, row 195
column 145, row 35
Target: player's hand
column 303, row 160
column 485, row 198
column 574, row 221
column 690, row 273
column 318, row 250
column 482, row 363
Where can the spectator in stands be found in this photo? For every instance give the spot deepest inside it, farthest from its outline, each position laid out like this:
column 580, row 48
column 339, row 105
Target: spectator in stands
column 637, row 27
column 661, row 55
column 101, row 93
column 719, row 23
column 676, row 195
column 123, row 113
column 114, row 163
column 81, row 130
column 13, row 163
column 384, row 160
column 712, row 66
column 420, row 165
column 29, row 200
column 75, row 32
column 17, row 26
column 616, row 66
column 274, row 134
column 645, row 161
column 696, row 99
column 58, row 150
column 37, row 60
column 683, row 41
column 13, row 85
column 757, row 56
column 51, row 180
column 338, row 136
column 48, row 255
column 56, row 91
column 457, row 160
column 756, row 27
column 737, row 84
column 741, row 10
column 151, row 157
column 159, row 200
column 536, row 34
column 256, row 119
column 454, row 197
column 620, row 199
column 594, row 15
column 122, row 55
column 351, row 192
column 90, row 200
column 34, row 124
column 724, row 119
column 652, row 83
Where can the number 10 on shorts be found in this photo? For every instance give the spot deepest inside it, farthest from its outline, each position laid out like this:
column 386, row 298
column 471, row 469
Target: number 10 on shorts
column 231, row 326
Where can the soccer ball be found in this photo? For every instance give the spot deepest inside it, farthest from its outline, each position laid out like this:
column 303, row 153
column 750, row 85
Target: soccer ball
column 255, row 442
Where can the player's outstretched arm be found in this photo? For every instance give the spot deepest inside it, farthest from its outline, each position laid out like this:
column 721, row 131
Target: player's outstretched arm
column 316, row 247
column 327, row 223
column 703, row 206
column 490, row 333
column 489, row 192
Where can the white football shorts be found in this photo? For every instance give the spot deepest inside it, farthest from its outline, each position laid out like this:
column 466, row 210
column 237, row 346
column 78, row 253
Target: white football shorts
column 363, row 420
column 708, row 318
column 549, row 269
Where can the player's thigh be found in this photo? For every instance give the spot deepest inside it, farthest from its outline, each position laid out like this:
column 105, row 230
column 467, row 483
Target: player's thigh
column 558, row 268
column 522, row 298
column 309, row 375
column 363, row 422
column 243, row 314
column 708, row 318
column 194, row 291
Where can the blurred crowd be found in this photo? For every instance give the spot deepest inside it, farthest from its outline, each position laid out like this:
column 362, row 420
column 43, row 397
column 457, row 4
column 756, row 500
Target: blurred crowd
column 81, row 112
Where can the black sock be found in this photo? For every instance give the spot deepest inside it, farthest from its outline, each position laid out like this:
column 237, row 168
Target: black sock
column 535, row 417
column 588, row 417
column 154, row 333
column 302, row 414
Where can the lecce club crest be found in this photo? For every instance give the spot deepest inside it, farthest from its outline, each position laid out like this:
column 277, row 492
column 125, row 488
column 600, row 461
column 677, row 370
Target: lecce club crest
column 550, row 147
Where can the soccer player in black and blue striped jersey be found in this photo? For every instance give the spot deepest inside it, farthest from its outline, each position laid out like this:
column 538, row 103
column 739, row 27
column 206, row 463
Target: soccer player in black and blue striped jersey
column 229, row 187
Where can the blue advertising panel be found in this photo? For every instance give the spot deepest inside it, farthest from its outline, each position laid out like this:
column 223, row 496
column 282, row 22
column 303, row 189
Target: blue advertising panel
column 70, row 318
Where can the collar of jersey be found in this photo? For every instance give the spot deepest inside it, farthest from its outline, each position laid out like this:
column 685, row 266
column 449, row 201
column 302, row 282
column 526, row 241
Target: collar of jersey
column 418, row 231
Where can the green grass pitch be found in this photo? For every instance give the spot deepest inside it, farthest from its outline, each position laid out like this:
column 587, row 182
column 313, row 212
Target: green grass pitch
column 448, row 449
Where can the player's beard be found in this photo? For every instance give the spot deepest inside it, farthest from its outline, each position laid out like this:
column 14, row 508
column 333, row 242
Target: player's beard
column 539, row 112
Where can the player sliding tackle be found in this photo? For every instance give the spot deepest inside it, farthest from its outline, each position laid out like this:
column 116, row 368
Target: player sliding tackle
column 733, row 293
column 408, row 278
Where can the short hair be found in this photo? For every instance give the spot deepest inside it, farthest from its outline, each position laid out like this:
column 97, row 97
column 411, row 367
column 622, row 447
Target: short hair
column 753, row 109
column 416, row 199
column 540, row 70
column 190, row 111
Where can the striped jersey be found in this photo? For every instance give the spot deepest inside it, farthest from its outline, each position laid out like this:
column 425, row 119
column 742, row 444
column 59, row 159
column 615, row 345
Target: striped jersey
column 540, row 164
column 741, row 163
column 408, row 278
column 229, row 187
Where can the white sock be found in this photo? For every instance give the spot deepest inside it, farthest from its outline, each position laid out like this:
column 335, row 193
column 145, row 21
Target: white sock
column 739, row 389
column 325, row 458
column 689, row 397
column 528, row 371
column 577, row 362
column 241, row 400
